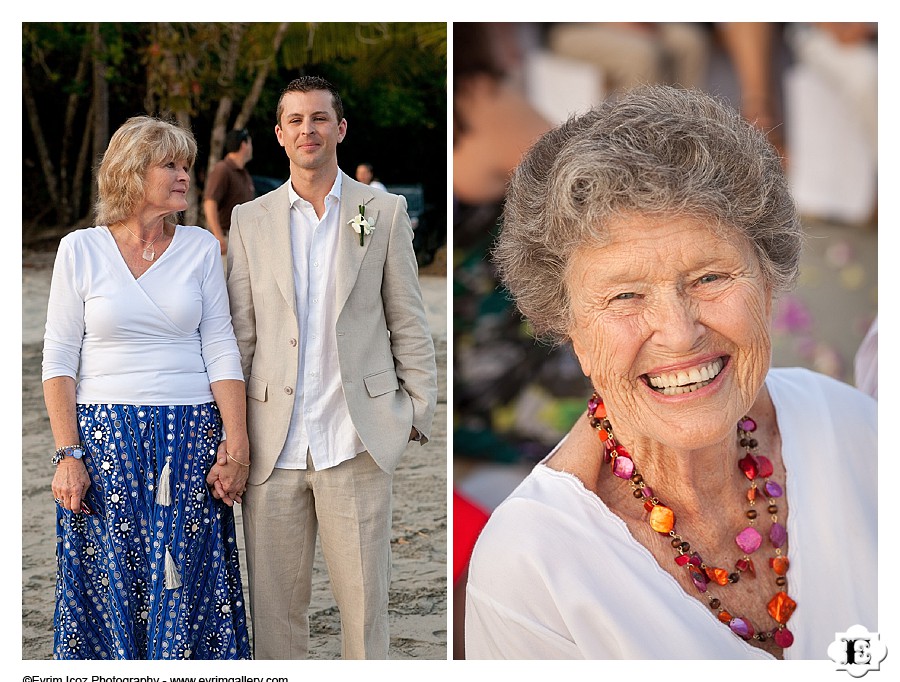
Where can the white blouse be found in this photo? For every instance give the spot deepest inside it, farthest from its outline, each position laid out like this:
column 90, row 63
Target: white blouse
column 159, row 339
column 556, row 575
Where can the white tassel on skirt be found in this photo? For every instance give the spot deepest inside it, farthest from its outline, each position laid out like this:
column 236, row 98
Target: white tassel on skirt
column 164, row 489
column 173, row 580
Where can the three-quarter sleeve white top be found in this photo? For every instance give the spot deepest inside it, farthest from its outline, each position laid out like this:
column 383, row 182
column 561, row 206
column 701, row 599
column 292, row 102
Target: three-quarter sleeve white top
column 158, row 339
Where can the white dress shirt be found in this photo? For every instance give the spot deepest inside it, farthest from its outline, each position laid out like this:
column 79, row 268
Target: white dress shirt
column 321, row 420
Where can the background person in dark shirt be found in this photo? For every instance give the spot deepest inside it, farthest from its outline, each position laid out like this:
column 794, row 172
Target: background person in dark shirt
column 229, row 184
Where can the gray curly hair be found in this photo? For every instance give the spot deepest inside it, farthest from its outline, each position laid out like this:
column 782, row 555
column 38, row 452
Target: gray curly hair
column 657, row 150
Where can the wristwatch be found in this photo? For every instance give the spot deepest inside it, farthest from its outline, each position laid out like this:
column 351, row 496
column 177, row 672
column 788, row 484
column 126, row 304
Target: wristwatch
column 75, row 451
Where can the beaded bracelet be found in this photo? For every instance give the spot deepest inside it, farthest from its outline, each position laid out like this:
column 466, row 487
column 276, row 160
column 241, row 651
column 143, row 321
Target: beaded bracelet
column 76, row 451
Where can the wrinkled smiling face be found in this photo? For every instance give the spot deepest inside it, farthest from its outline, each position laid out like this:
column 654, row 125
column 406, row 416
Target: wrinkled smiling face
column 671, row 323
column 309, row 130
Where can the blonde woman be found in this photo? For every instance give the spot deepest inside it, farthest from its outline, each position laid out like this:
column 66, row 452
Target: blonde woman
column 141, row 373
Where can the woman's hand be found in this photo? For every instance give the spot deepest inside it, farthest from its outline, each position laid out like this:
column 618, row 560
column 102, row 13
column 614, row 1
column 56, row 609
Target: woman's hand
column 70, row 483
column 228, row 477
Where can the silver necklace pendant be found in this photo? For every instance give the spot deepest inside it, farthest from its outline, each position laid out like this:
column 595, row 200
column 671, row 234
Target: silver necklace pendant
column 149, row 254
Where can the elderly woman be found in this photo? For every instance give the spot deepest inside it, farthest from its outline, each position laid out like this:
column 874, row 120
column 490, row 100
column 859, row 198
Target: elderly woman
column 141, row 372
column 706, row 506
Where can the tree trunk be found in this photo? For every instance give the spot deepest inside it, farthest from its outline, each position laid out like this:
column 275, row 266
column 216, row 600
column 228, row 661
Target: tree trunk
column 260, row 80
column 217, row 136
column 223, row 111
column 99, row 104
column 80, row 166
column 70, row 190
column 191, row 213
column 31, row 111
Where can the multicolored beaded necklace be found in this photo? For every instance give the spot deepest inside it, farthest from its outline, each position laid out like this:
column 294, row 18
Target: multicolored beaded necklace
column 662, row 520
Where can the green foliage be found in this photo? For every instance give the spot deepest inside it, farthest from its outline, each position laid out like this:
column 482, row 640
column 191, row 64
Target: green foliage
column 392, row 77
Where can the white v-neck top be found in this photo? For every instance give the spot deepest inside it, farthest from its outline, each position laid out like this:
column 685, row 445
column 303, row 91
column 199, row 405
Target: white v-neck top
column 556, row 575
column 159, row 339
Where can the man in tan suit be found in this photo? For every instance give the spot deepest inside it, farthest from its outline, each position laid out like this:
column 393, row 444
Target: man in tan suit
column 340, row 372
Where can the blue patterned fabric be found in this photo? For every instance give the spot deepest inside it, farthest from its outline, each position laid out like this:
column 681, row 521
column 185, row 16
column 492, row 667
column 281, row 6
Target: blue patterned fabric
column 112, row 597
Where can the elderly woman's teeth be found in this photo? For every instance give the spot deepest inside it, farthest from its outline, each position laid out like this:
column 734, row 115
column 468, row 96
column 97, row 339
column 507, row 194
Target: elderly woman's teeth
column 686, row 381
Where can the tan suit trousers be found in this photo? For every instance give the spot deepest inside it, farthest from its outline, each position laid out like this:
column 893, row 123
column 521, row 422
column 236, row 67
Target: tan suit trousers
column 349, row 507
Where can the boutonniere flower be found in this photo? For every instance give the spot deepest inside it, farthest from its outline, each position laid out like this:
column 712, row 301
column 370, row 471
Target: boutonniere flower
column 361, row 225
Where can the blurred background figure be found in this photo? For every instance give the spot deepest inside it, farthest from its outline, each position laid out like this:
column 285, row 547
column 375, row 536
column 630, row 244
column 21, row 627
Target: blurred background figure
column 831, row 112
column 493, row 121
column 635, row 53
column 228, row 185
column 750, row 49
column 810, row 87
column 365, row 173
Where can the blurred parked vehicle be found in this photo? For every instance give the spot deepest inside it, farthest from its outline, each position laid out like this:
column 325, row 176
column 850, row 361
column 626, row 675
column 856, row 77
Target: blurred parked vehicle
column 429, row 231
column 265, row 184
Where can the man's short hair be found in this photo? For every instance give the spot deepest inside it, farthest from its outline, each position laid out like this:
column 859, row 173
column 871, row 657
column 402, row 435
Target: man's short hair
column 309, row 84
column 234, row 139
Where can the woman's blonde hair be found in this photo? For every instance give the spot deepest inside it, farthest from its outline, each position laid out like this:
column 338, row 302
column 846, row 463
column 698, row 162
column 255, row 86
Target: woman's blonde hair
column 141, row 142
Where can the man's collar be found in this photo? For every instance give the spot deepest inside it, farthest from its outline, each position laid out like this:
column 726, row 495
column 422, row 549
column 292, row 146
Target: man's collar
column 335, row 190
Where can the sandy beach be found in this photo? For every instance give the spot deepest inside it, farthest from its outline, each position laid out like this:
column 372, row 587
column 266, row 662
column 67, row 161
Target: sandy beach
column 418, row 596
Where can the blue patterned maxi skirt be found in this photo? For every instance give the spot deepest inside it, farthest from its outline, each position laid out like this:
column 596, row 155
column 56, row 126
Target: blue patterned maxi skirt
column 152, row 572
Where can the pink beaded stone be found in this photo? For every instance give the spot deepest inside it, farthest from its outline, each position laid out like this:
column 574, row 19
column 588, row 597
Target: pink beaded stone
column 773, row 489
column 623, row 466
column 681, row 559
column 748, row 425
column 741, row 627
column 784, row 638
column 777, row 535
column 748, row 540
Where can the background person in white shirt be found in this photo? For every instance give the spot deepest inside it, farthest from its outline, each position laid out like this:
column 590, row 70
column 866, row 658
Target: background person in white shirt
column 340, row 373
column 141, row 372
column 365, row 173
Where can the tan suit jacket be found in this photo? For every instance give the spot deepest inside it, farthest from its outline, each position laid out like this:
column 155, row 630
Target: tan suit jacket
column 385, row 350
